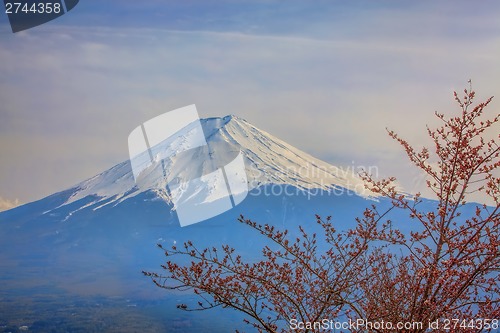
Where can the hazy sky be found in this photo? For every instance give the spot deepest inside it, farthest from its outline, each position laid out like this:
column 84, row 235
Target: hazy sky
column 326, row 76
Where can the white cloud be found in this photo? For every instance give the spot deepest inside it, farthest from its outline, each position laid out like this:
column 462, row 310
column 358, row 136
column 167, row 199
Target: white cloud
column 6, row 204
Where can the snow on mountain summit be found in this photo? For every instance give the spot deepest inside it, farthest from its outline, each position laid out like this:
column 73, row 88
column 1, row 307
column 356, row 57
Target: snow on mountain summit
column 268, row 160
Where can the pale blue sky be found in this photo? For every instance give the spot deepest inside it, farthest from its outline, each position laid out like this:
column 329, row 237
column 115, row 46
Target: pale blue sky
column 327, row 77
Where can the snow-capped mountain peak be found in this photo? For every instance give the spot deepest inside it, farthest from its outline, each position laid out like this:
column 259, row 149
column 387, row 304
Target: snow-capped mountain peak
column 268, row 160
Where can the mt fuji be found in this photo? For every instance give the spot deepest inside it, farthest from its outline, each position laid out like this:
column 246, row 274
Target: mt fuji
column 94, row 239
column 268, row 160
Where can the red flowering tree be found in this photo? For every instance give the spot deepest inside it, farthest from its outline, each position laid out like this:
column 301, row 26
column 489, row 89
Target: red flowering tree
column 447, row 274
column 443, row 275
column 295, row 281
